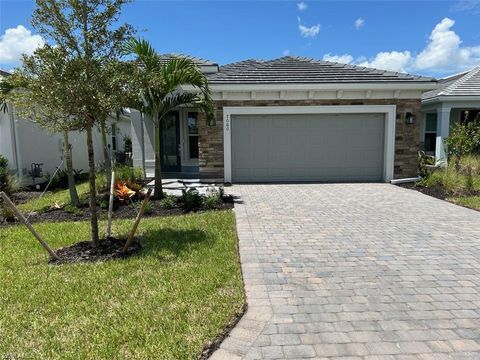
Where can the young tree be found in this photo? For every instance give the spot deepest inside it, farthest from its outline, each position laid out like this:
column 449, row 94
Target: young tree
column 160, row 92
column 42, row 83
column 86, row 31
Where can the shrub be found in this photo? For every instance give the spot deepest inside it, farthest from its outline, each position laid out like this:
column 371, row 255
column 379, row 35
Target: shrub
column 464, row 139
column 123, row 191
column 191, row 199
column 4, row 174
column 60, row 181
column 7, row 213
column 168, row 202
column 423, row 161
column 72, row 209
column 148, row 209
column 101, row 182
column 212, row 201
column 128, row 174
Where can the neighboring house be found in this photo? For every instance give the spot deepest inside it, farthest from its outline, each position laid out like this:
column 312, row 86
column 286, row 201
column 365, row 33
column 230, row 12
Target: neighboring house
column 294, row 119
column 24, row 143
column 457, row 99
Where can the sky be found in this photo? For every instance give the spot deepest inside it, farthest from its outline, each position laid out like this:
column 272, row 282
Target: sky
column 432, row 38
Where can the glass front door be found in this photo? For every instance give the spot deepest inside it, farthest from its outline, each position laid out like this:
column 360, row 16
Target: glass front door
column 170, row 141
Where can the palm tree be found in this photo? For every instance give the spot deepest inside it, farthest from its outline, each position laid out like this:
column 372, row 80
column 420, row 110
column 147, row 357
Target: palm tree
column 162, row 78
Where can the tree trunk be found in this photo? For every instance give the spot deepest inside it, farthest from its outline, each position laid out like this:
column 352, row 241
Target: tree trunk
column 158, row 191
column 69, row 166
column 93, row 190
column 106, row 153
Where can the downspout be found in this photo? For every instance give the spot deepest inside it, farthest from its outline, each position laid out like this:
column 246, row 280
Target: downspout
column 15, row 148
column 142, row 145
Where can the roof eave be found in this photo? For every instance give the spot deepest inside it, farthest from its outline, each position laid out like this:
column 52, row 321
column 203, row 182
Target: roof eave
column 441, row 98
column 421, row 86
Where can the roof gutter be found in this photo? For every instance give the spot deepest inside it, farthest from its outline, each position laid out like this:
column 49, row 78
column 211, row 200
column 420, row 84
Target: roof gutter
column 422, row 86
column 451, row 98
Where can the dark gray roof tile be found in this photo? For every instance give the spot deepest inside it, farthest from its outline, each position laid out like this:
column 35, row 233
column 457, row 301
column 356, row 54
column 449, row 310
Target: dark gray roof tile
column 302, row 70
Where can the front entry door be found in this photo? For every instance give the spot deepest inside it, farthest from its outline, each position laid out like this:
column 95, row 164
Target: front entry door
column 170, row 143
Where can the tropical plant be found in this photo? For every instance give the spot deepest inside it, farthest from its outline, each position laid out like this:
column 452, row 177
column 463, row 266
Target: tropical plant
column 160, row 90
column 123, row 191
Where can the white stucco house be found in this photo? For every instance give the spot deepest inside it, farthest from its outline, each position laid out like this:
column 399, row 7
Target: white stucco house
column 456, row 99
column 24, row 143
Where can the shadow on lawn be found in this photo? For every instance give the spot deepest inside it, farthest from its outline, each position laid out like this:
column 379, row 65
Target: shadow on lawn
column 170, row 243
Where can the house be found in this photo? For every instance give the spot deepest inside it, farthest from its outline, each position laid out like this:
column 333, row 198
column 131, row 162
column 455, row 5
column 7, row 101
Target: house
column 25, row 144
column 293, row 119
column 457, row 99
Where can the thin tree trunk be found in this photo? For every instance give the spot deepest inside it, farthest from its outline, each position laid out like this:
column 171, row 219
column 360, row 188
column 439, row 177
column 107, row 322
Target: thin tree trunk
column 106, row 153
column 93, row 191
column 69, row 165
column 158, row 191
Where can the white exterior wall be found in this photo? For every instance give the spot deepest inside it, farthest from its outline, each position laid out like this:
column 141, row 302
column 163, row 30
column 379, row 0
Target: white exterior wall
column 36, row 145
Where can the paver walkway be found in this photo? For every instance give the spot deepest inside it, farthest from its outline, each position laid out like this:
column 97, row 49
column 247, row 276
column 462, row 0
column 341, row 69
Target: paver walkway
column 358, row 271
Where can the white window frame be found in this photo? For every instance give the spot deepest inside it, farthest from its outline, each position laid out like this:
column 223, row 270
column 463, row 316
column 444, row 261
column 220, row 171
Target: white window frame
column 388, row 110
column 184, row 135
column 425, row 131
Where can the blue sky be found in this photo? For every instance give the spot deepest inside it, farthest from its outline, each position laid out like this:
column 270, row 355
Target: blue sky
column 423, row 37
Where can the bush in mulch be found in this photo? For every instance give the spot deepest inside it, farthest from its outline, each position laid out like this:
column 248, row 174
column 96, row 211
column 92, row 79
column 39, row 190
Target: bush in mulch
column 108, row 249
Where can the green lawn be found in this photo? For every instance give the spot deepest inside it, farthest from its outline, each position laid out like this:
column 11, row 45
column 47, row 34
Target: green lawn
column 468, row 201
column 163, row 303
column 46, row 201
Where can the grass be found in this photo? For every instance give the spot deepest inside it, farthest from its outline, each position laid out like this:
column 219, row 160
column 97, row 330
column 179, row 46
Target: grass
column 46, row 201
column 472, row 202
column 166, row 302
column 457, row 186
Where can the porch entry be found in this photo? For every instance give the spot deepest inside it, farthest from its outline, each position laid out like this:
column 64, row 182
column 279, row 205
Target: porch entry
column 179, row 141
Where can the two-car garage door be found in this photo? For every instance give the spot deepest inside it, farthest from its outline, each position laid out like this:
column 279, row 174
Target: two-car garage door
column 307, row 147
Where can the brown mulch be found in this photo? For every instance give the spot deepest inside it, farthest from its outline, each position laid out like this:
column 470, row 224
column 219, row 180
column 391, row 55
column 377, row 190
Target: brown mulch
column 108, row 249
column 121, row 212
column 435, row 191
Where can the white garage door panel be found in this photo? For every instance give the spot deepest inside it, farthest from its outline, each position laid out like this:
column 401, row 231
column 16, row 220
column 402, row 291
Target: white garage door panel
column 323, row 147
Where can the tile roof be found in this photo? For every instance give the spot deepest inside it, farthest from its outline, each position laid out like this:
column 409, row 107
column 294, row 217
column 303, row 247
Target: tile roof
column 198, row 61
column 463, row 84
column 300, row 70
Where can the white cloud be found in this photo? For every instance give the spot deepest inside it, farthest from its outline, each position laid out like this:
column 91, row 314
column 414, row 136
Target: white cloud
column 444, row 50
column 390, row 60
column 344, row 59
column 17, row 41
column 306, row 31
column 359, row 23
column 286, row 52
column 443, row 54
column 302, row 6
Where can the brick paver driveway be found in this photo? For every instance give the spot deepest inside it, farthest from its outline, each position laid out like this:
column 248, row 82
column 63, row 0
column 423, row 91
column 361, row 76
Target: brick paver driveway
column 358, row 271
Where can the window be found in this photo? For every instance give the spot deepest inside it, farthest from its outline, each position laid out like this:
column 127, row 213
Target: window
column 192, row 129
column 114, row 137
column 430, row 133
column 469, row 116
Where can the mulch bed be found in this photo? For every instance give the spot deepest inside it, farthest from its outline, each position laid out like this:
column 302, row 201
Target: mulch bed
column 435, row 191
column 211, row 346
column 121, row 212
column 108, row 249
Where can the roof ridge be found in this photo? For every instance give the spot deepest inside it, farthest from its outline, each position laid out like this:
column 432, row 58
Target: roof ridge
column 460, row 81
